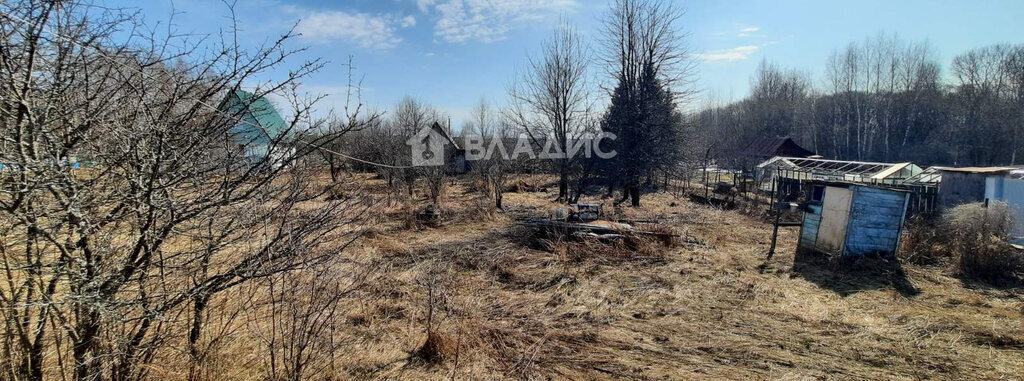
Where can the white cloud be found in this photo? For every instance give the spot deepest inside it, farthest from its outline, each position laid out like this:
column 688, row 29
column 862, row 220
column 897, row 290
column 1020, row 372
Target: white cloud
column 369, row 31
column 408, row 22
column 488, row 20
column 738, row 53
column 424, row 5
column 746, row 32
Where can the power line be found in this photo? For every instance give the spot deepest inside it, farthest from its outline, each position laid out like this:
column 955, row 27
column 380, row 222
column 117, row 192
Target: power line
column 215, row 109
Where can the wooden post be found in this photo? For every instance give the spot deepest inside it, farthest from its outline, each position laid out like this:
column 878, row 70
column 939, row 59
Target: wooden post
column 707, row 155
column 778, row 215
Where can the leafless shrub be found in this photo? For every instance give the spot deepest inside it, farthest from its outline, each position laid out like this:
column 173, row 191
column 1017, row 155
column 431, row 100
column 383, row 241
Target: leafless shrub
column 302, row 309
column 924, row 244
column 481, row 210
column 439, row 346
column 970, row 237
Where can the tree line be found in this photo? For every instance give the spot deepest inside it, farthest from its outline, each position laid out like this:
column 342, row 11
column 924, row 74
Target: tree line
column 885, row 99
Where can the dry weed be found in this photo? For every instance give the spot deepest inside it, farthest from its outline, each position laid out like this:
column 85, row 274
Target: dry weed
column 970, row 237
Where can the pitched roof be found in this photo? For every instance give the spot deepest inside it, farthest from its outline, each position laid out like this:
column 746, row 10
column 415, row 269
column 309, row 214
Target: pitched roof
column 768, row 147
column 435, row 128
column 257, row 110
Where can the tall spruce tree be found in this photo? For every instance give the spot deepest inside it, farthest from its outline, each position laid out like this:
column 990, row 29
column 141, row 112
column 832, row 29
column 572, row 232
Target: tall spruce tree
column 648, row 130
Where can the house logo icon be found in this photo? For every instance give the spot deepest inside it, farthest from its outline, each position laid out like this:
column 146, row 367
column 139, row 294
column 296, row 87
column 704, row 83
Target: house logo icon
column 428, row 145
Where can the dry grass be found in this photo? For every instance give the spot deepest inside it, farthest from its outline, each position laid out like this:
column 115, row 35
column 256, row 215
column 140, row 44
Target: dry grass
column 707, row 306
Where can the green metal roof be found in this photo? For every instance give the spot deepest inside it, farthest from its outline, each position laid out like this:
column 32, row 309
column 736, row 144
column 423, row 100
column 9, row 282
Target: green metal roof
column 259, row 122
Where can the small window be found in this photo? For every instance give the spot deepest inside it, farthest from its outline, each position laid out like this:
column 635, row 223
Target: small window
column 817, row 193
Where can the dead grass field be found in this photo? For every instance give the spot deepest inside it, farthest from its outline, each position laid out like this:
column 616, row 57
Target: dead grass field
column 508, row 306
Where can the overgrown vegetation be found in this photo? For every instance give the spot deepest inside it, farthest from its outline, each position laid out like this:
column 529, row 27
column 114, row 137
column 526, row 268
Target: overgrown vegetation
column 971, row 240
column 144, row 236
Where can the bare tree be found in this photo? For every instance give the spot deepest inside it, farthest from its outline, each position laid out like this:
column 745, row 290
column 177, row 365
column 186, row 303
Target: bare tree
column 551, row 101
column 982, row 88
column 1014, row 67
column 883, row 100
column 490, row 170
column 409, row 117
column 130, row 198
column 357, row 117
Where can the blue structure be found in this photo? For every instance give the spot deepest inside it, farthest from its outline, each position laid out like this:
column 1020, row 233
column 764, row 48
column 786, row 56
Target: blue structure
column 853, row 220
column 258, row 125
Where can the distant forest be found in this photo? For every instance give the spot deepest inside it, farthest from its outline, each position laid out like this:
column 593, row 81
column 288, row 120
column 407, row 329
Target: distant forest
column 884, row 99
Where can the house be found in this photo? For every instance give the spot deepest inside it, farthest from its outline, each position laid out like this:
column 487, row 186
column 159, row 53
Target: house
column 257, row 127
column 978, row 184
column 434, row 146
column 852, row 220
column 743, row 161
column 761, row 149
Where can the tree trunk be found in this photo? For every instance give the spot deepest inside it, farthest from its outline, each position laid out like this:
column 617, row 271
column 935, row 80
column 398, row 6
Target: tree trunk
column 86, row 364
column 634, row 195
column 195, row 357
column 563, row 182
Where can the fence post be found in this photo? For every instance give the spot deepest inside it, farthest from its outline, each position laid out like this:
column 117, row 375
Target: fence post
column 775, row 226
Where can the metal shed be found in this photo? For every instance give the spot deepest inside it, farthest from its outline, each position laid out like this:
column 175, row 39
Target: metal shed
column 854, row 220
column 970, row 184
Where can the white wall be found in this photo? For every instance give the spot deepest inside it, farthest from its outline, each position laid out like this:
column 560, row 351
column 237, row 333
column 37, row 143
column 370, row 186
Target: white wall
column 1000, row 188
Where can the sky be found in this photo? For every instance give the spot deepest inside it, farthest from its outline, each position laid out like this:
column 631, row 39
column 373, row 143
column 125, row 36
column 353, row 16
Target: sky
column 450, row 53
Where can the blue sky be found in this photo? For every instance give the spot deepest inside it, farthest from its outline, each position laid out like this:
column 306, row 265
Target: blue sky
column 449, row 53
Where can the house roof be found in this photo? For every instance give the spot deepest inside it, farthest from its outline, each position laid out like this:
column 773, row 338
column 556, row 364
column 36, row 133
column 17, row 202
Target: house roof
column 768, row 147
column 257, row 110
column 435, row 128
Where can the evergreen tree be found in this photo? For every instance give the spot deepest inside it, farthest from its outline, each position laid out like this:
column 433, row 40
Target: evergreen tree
column 648, row 132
